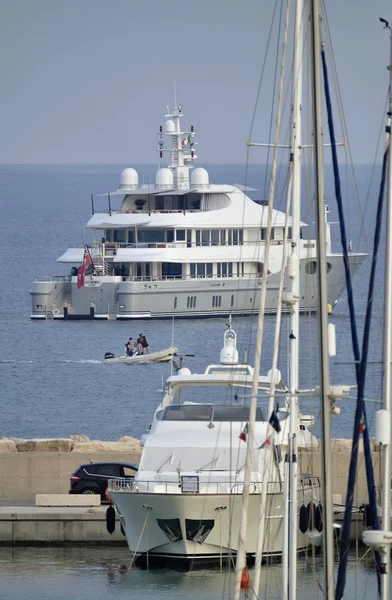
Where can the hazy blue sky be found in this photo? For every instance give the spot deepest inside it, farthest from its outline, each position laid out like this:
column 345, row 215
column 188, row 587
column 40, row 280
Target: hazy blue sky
column 88, row 81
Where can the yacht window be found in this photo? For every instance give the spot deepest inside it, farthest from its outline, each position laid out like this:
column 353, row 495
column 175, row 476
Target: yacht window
column 224, row 269
column 205, row 236
column 201, row 269
column 175, row 302
column 189, row 238
column 311, row 267
column 214, row 237
column 235, row 237
column 194, row 301
column 213, row 301
column 169, row 235
column 192, row 269
column 172, row 270
column 289, row 234
column 208, row 412
column 209, row 269
column 232, row 301
column 148, row 270
column 151, row 235
column 220, row 301
column 188, row 302
column 131, row 236
column 218, row 269
column 159, row 203
column 119, row 236
column 264, row 233
column 109, row 235
column 329, row 267
column 241, row 236
column 197, row 237
column 180, row 235
column 223, row 237
column 230, row 269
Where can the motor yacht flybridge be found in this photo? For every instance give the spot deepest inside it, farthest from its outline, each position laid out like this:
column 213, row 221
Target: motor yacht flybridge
column 181, row 246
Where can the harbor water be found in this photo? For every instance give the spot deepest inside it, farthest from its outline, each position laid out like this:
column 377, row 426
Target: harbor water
column 54, row 383
column 104, row 573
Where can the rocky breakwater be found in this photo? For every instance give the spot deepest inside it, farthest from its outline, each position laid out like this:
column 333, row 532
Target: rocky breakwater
column 76, row 443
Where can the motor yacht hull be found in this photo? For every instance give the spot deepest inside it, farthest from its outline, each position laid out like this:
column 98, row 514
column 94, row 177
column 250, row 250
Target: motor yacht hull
column 144, row 517
column 113, row 297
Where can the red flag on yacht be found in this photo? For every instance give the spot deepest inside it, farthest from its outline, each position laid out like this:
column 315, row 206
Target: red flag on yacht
column 85, row 268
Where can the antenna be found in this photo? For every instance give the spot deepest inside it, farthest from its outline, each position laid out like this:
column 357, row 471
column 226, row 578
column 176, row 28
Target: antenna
column 172, row 343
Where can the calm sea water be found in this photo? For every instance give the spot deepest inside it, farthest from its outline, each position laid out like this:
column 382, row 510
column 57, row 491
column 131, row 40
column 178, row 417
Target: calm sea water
column 52, row 379
column 53, row 382
column 103, row 573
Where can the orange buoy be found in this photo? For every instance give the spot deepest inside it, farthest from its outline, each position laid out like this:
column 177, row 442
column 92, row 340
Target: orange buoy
column 245, row 579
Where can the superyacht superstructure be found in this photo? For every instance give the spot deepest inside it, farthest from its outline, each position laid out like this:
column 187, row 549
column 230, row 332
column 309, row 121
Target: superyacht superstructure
column 181, row 247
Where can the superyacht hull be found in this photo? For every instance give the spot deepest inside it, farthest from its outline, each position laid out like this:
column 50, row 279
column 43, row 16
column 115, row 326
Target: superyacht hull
column 114, row 297
column 171, row 528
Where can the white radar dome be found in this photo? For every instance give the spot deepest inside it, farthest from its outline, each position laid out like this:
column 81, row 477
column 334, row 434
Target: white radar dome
column 129, row 179
column 184, row 371
column 199, row 178
column 170, row 126
column 164, row 178
column 229, row 352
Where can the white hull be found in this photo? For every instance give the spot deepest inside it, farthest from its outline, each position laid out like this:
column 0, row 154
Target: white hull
column 112, row 297
column 154, row 357
column 221, row 511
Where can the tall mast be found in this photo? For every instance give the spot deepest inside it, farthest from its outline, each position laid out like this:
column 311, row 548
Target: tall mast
column 291, row 464
column 387, row 350
column 328, row 542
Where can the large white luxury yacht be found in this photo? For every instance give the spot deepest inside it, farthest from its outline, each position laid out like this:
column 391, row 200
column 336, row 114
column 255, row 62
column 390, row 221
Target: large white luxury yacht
column 181, row 247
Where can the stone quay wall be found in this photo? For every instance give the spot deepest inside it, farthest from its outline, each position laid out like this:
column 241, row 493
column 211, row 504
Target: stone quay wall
column 30, row 467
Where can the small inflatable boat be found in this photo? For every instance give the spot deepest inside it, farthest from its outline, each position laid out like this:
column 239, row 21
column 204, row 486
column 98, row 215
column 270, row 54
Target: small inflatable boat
column 154, row 357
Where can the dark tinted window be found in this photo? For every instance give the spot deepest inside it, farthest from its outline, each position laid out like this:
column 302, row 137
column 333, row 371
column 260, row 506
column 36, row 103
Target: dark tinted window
column 112, row 470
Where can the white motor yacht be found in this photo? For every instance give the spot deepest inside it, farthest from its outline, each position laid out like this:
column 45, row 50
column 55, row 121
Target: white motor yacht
column 184, row 503
column 182, row 246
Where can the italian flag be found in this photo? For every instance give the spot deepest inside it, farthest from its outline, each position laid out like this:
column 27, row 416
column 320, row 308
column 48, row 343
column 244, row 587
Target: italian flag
column 244, row 433
column 186, row 140
column 362, row 425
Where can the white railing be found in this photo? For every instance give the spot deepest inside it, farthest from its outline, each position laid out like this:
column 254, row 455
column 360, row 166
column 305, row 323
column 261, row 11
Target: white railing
column 205, row 487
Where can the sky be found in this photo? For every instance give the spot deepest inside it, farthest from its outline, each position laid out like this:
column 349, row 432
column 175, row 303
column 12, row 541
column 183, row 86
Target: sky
column 88, row 81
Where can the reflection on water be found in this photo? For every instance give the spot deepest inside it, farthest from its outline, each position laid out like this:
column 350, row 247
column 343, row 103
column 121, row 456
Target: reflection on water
column 95, row 573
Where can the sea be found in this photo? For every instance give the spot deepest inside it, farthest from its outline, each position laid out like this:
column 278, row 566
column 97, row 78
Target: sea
column 54, row 384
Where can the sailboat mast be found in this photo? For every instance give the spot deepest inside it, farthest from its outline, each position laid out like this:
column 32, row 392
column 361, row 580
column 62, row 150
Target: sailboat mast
column 291, row 466
column 328, row 542
column 387, row 389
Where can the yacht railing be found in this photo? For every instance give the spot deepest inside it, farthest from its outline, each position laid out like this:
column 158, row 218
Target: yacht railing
column 132, row 486
column 42, row 278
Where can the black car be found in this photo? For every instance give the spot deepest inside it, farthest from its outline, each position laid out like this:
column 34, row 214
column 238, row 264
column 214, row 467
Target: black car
column 93, row 478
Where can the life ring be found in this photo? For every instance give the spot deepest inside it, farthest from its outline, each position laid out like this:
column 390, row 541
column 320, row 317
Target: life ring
column 56, row 311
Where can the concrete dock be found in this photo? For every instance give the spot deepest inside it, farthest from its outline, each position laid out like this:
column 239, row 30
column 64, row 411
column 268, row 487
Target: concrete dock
column 36, row 525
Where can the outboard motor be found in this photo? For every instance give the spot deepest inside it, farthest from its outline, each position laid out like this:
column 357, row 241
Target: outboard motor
column 109, row 355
